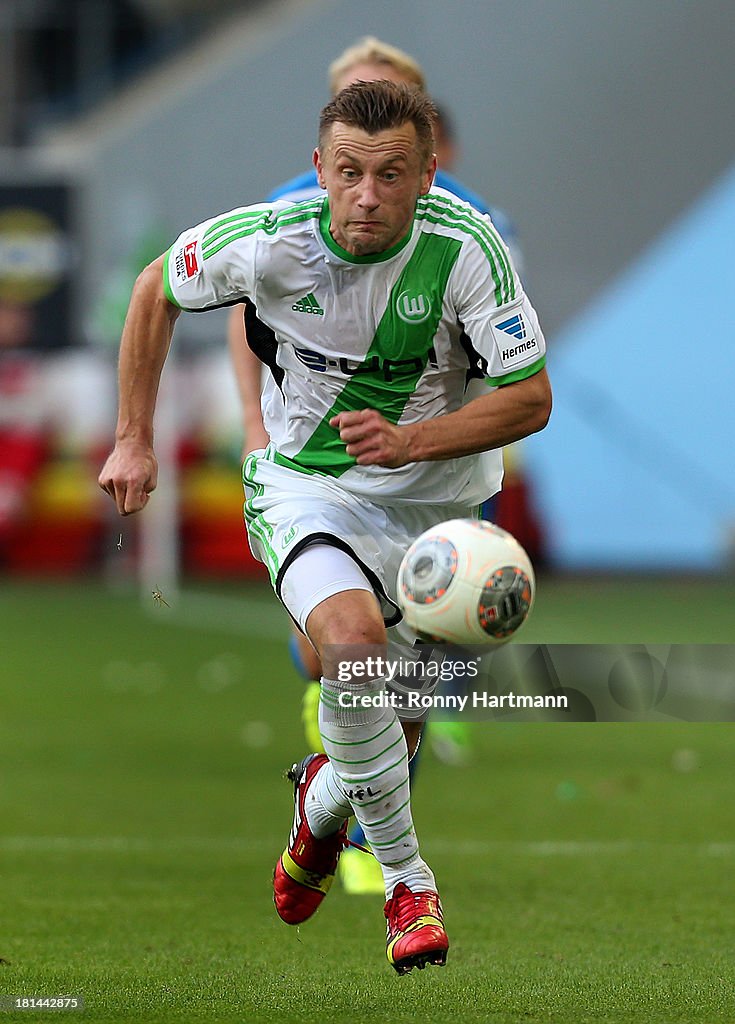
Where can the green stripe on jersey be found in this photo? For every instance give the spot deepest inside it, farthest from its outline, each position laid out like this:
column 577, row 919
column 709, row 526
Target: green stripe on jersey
column 230, row 229
column 250, row 213
column 166, row 282
column 387, row 376
column 438, row 210
column 479, row 221
column 511, row 378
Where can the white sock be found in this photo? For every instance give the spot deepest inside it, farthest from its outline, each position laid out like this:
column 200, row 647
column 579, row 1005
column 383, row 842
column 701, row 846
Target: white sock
column 368, row 765
column 326, row 805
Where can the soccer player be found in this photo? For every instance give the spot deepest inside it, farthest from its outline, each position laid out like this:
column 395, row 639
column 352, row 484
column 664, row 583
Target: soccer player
column 382, row 299
column 368, row 60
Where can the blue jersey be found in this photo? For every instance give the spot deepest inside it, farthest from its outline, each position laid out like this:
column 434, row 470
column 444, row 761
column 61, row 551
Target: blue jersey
column 305, row 186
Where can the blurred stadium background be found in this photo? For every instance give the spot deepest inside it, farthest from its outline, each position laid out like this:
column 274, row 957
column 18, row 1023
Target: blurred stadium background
column 604, row 130
column 599, row 127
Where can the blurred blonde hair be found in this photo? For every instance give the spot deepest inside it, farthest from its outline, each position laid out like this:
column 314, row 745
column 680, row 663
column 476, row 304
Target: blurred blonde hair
column 370, row 50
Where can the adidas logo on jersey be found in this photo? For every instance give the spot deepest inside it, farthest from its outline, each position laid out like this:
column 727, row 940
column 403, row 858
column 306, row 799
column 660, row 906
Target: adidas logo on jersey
column 308, row 305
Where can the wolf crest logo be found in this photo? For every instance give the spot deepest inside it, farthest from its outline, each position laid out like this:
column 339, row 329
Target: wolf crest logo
column 413, row 309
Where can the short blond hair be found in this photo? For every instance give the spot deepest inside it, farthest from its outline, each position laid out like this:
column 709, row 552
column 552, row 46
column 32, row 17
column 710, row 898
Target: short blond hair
column 370, row 50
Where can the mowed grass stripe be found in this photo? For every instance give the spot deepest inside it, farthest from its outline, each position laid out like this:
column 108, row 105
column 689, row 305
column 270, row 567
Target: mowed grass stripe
column 462, row 847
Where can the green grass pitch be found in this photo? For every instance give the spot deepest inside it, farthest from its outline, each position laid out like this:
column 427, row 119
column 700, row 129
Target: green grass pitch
column 586, row 870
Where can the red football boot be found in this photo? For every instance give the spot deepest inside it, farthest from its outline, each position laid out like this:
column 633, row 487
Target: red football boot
column 416, row 935
column 305, row 869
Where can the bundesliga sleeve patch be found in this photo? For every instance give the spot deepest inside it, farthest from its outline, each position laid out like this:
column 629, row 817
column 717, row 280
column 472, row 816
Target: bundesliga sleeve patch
column 515, row 339
column 188, row 262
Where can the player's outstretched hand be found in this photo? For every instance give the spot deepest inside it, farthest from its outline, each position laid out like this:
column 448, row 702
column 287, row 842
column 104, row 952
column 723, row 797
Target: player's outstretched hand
column 129, row 476
column 371, row 439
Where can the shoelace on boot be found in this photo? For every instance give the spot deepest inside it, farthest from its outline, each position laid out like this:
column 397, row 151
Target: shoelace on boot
column 351, row 842
column 405, row 906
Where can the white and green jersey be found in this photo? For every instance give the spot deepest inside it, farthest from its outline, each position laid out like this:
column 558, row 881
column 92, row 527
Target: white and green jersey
column 401, row 331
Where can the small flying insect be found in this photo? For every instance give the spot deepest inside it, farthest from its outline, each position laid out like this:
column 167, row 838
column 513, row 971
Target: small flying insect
column 159, row 599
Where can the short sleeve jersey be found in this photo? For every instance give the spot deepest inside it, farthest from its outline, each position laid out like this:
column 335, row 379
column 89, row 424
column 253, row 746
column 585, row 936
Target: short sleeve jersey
column 402, row 331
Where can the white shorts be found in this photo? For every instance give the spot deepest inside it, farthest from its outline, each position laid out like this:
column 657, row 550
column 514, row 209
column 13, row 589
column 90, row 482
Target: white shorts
column 287, row 512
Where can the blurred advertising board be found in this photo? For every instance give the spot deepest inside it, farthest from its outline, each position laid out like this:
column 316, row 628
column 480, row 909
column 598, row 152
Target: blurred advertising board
column 38, row 258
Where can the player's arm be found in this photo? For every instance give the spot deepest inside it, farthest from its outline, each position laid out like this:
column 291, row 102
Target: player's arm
column 503, row 327
column 508, row 414
column 247, row 369
column 131, row 470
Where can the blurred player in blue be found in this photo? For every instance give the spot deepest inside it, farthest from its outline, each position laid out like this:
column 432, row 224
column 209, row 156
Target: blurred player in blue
column 367, row 61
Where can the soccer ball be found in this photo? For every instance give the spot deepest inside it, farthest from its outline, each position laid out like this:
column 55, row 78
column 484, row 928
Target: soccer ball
column 466, row 581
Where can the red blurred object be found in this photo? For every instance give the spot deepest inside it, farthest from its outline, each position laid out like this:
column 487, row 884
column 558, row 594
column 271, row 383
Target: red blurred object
column 514, row 511
column 218, row 548
column 52, row 547
column 213, row 538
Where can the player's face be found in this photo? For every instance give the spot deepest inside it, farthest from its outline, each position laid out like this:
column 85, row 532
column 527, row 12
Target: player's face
column 373, row 182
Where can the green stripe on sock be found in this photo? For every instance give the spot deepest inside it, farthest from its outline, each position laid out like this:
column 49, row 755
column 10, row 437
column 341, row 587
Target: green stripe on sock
column 384, row 796
column 367, row 760
column 389, row 816
column 381, row 846
column 369, row 778
column 340, row 798
column 397, row 863
column 356, row 743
